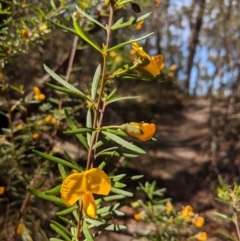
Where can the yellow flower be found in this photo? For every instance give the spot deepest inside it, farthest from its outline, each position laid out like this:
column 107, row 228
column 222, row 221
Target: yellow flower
column 139, row 216
column 83, row 185
column 20, row 228
column 37, row 94
column 157, row 3
column 54, row 120
column 150, row 66
column 2, row 190
column 2, row 139
column 19, row 126
column 198, row 221
column 35, row 135
column 141, row 131
column 202, row 236
column 48, row 118
column 25, row 33
column 169, row 207
column 187, row 213
column 139, row 25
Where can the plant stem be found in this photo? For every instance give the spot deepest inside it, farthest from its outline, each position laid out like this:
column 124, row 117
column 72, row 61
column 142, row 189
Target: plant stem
column 97, row 123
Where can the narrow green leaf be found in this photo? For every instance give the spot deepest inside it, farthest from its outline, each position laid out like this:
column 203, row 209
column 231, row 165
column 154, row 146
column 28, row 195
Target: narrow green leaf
column 87, row 232
column 57, row 160
column 111, row 94
column 108, row 209
column 70, row 30
column 115, row 99
column 121, row 192
column 95, row 81
column 64, row 82
column 119, row 21
column 72, row 125
column 226, row 235
column 89, row 17
column 137, row 177
column 119, row 185
column 66, row 211
column 66, row 220
column 58, row 201
column 129, row 23
column 53, row 191
column 60, row 232
column 84, row 35
column 129, row 42
column 64, row 90
column 62, row 171
column 123, row 143
column 113, row 198
column 94, row 222
column 61, row 227
column 89, row 124
column 100, row 143
column 68, row 158
column 118, row 177
column 78, row 131
column 115, row 227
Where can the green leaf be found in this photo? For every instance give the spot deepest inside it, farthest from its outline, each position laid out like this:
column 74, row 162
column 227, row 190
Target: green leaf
column 123, row 143
column 89, row 17
column 53, row 191
column 66, row 220
column 62, row 171
column 119, row 24
column 70, row 30
column 108, row 209
column 113, row 198
column 115, row 99
column 94, row 222
column 64, row 82
column 228, row 236
column 89, row 124
column 61, row 227
column 119, row 185
column 84, row 35
column 115, row 227
column 60, row 232
column 95, row 81
column 137, row 177
column 64, row 90
column 121, row 192
column 129, row 42
column 111, row 94
column 72, row 125
column 78, row 131
column 87, row 232
column 58, row 201
column 57, row 160
column 66, row 211
column 118, row 177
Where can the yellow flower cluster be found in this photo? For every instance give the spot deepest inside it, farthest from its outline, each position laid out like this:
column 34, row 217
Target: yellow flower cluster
column 188, row 215
column 82, row 186
column 141, row 131
column 2, row 190
column 38, row 95
column 151, row 65
column 50, row 118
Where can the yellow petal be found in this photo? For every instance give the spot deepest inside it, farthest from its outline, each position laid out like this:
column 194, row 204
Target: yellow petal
column 89, row 205
column 36, row 90
column 73, row 188
column 141, row 131
column 97, row 181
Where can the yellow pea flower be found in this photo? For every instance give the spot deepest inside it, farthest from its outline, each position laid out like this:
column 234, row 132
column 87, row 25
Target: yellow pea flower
column 141, row 131
column 48, row 118
column 140, row 216
column 83, row 185
column 35, row 135
column 139, row 25
column 198, row 221
column 37, row 94
column 202, row 236
column 169, row 207
column 187, row 213
column 150, row 66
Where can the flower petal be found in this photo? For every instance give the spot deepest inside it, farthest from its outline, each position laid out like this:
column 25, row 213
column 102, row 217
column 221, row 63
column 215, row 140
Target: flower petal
column 141, row 131
column 73, row 188
column 89, row 205
column 97, row 181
